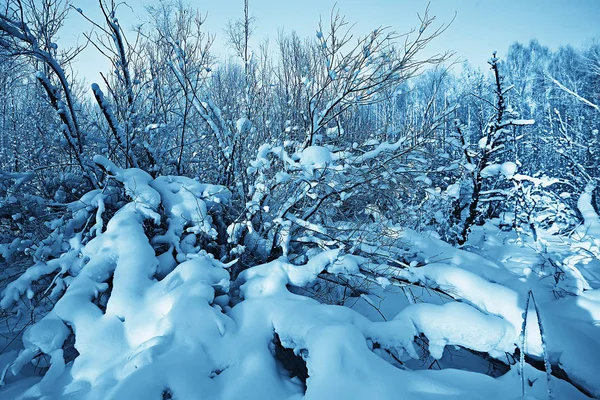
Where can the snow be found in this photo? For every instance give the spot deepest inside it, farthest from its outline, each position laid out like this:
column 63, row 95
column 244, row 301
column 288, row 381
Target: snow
column 483, row 142
column 242, row 125
column 177, row 323
column 591, row 219
column 136, row 183
column 282, row 177
column 474, row 289
column 183, row 198
column 314, row 158
column 521, row 122
column 476, row 331
column 453, row 190
column 300, row 277
column 543, row 181
column 379, row 149
column 424, row 179
column 507, row 170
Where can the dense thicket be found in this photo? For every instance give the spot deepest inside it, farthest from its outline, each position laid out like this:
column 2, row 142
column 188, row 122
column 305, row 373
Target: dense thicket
column 309, row 146
column 169, row 107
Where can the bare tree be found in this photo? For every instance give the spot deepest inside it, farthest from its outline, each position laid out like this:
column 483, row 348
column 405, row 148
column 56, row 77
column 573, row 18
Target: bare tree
column 494, row 147
column 349, row 74
column 27, row 30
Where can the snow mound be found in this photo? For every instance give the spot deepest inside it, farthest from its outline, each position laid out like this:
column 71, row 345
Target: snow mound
column 315, row 158
column 175, row 324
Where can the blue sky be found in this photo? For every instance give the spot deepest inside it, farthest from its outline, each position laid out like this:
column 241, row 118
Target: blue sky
column 480, row 26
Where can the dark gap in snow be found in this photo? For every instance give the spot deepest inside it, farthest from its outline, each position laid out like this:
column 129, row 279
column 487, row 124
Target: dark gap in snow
column 216, row 249
column 70, row 353
column 291, row 362
column 331, row 289
column 275, row 254
column 395, row 360
column 422, row 343
column 102, row 299
column 216, row 211
column 476, row 361
column 216, row 373
column 151, row 229
column 462, row 358
column 167, row 394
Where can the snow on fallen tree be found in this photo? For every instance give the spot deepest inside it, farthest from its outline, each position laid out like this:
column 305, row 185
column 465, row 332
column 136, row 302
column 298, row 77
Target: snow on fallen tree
column 179, row 341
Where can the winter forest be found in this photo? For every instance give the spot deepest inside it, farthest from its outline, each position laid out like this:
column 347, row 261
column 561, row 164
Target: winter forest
column 341, row 216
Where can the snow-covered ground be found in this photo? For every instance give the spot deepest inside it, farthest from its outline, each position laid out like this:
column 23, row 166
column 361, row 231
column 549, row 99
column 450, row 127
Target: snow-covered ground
column 428, row 327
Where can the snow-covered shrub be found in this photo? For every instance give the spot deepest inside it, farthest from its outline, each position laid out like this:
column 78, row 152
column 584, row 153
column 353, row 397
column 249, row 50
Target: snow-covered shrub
column 139, row 308
column 301, row 275
column 321, row 197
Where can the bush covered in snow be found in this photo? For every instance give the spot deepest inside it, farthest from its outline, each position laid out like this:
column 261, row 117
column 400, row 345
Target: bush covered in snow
column 326, row 227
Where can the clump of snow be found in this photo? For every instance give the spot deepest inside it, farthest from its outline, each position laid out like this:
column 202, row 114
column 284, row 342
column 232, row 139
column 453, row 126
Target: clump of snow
column 507, row 170
column 183, row 199
column 477, row 331
column 136, row 183
column 315, row 158
column 453, row 191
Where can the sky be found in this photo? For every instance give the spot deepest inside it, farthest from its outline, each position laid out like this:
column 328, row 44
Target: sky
column 477, row 27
